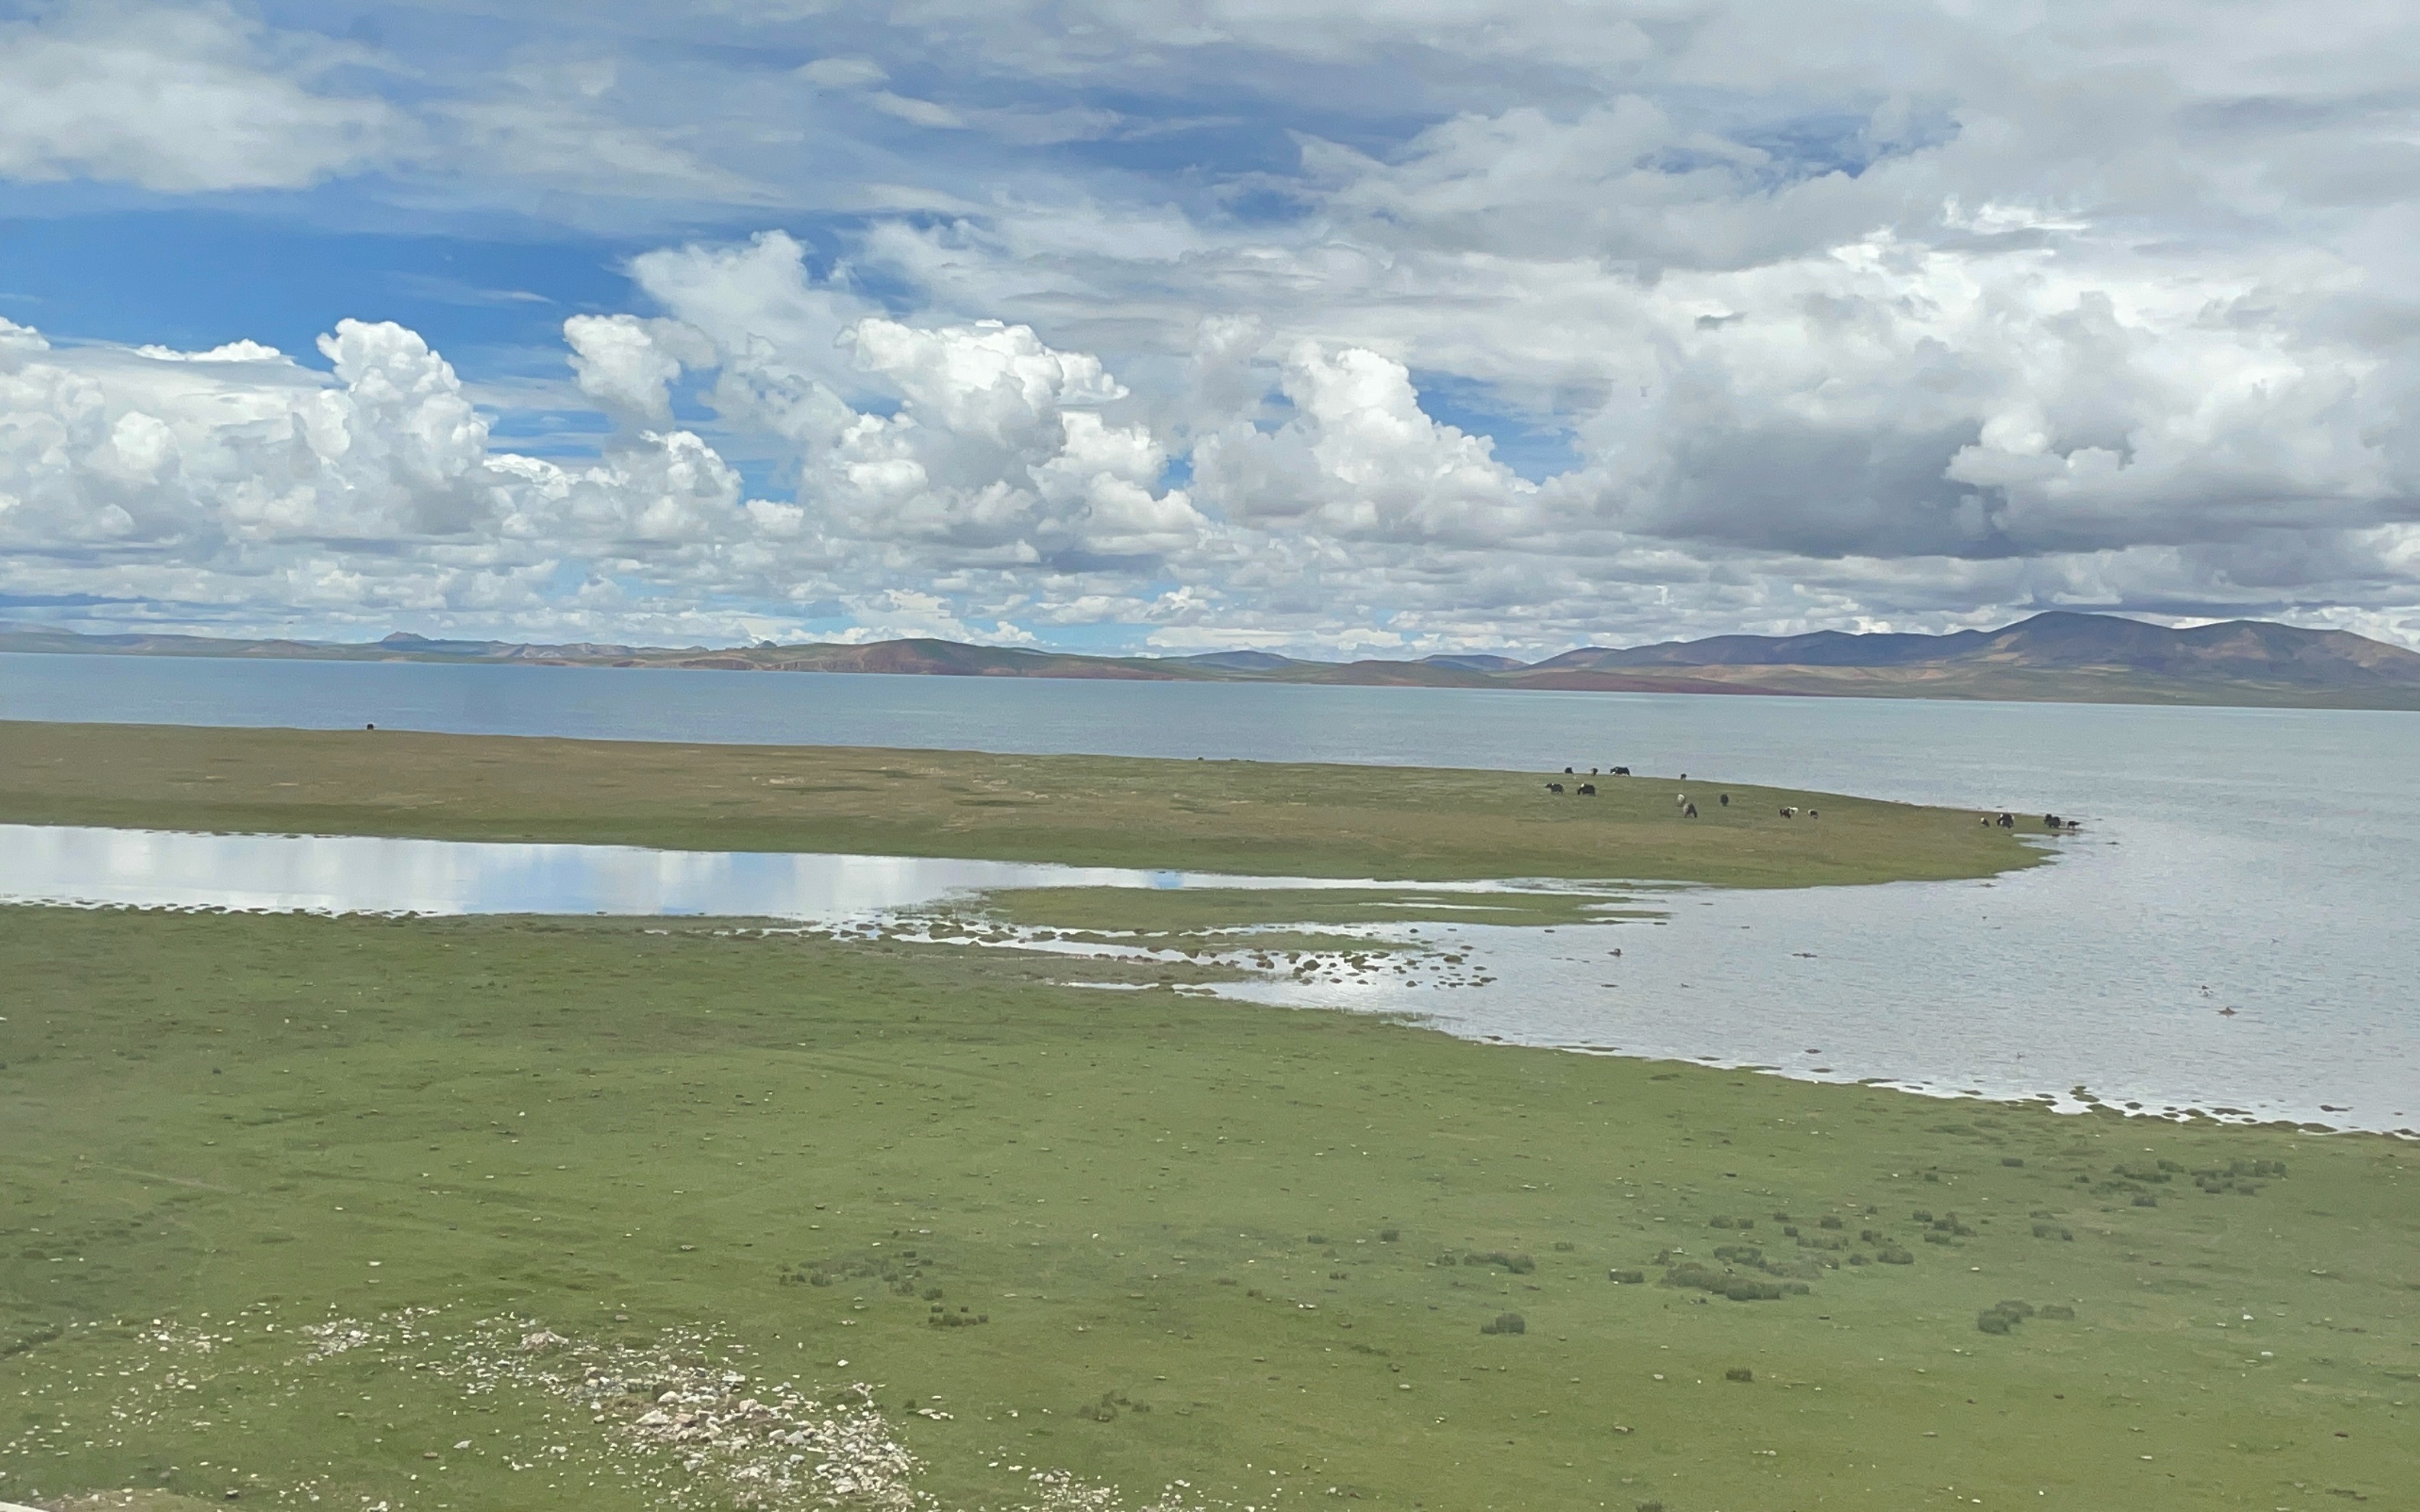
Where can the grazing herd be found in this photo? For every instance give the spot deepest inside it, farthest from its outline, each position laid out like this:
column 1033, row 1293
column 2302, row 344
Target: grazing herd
column 2054, row 822
column 2051, row 822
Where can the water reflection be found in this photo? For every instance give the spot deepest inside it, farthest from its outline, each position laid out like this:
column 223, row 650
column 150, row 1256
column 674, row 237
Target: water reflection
column 154, row 869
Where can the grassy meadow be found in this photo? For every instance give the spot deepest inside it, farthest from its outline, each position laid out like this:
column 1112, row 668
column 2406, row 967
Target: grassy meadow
column 1396, row 823
column 535, row 1214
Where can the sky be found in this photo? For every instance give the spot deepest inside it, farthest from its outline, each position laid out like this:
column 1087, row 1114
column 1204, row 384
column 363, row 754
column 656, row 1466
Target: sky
column 1166, row 326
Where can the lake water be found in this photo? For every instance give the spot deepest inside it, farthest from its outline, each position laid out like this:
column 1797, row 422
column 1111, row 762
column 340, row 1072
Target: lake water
column 2266, row 861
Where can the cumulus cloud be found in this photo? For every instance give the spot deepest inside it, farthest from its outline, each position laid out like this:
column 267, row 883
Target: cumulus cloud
column 1360, row 460
column 1464, row 324
column 213, row 475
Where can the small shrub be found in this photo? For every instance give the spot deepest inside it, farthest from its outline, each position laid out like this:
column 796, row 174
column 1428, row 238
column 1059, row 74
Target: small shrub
column 1895, row 1256
column 2013, row 1161
column 1506, row 1323
column 1739, row 1372
column 1781, row 1217
column 1829, row 1221
column 1387, row 1236
column 1790, row 1230
column 1626, row 1278
column 1563, row 1246
column 1921, row 1216
column 1721, row 1223
column 1868, row 1235
column 1744, row 1290
column 932, row 1294
column 2001, row 1317
column 1336, row 1275
column 2057, row 1310
column 2146, row 1200
column 1650, row 1506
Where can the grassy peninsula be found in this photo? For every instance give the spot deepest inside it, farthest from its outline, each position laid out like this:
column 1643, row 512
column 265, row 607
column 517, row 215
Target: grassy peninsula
column 1397, row 823
column 426, row 1215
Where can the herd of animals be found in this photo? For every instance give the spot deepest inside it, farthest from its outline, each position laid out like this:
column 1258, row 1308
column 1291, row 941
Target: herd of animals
column 2051, row 822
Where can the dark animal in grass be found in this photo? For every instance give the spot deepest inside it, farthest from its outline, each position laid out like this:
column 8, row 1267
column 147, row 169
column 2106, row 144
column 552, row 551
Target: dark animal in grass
column 1622, row 771
column 1587, row 790
column 1727, row 800
column 1789, row 813
column 2006, row 821
column 1554, row 787
column 1567, row 771
column 1690, row 813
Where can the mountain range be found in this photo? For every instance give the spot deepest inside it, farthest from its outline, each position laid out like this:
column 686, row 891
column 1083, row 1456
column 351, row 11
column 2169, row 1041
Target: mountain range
column 2057, row 656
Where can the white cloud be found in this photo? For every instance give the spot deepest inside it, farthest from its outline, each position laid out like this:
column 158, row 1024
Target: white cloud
column 1462, row 321
column 179, row 99
column 1360, row 460
column 628, row 365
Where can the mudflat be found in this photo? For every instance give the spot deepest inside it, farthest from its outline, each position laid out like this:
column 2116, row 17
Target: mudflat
column 1396, row 823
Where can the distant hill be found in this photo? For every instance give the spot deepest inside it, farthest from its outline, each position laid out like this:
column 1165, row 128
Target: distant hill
column 2057, row 656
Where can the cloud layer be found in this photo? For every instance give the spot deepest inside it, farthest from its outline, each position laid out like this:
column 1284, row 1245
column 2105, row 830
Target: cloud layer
column 1454, row 325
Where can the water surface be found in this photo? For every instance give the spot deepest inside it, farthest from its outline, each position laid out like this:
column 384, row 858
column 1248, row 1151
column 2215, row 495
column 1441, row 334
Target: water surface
column 2262, row 860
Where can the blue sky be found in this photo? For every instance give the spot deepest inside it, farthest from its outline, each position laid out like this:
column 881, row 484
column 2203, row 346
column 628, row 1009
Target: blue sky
column 1119, row 324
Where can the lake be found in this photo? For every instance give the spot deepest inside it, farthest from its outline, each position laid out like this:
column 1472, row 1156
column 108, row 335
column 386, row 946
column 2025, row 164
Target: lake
column 2264, row 862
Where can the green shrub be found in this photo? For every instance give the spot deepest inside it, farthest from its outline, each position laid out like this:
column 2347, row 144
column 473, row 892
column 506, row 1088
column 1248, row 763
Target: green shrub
column 2058, row 1310
column 1626, row 1278
column 1517, row 1264
column 1921, row 1216
column 1563, row 1246
column 1721, row 1223
column 1506, row 1323
column 2001, row 1317
column 2013, row 1161
column 1316, row 1238
column 1829, row 1221
column 1894, row 1256
column 1387, row 1236
column 1739, row 1372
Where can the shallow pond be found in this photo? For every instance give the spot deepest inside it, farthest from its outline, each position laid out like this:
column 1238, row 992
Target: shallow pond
column 2094, row 973
column 159, row 869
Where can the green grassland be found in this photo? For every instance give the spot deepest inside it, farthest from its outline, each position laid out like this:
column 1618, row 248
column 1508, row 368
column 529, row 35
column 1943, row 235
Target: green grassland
column 1252, row 1249
column 1245, row 817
